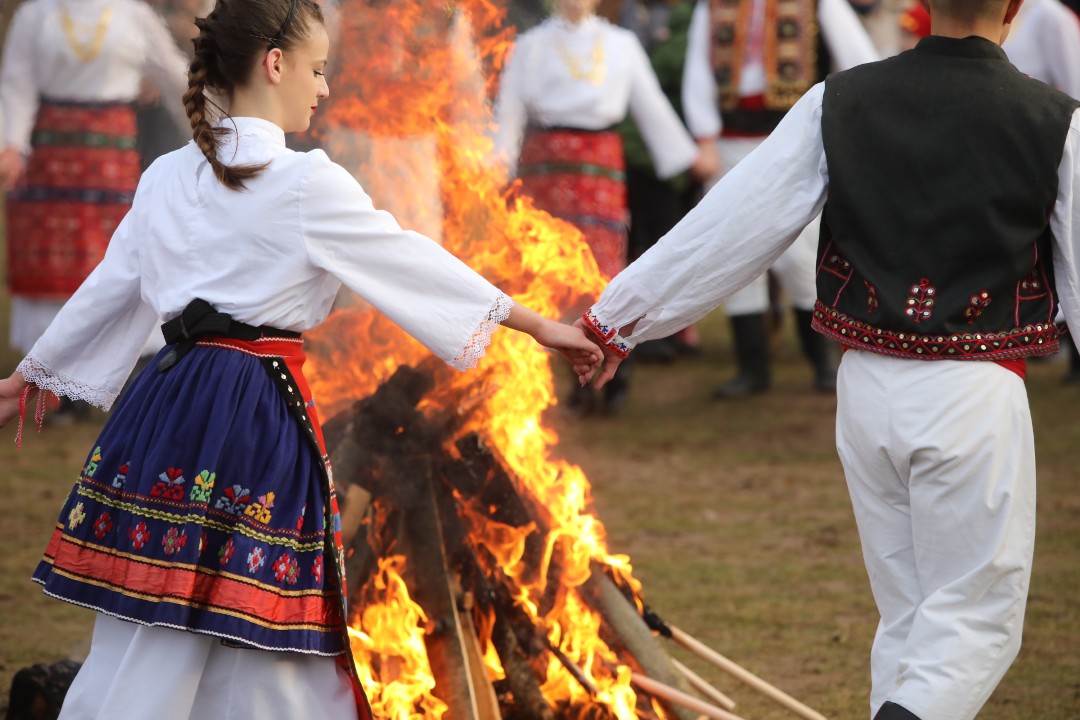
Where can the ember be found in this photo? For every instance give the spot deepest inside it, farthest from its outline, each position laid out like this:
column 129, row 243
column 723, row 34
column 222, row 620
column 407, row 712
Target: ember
column 480, row 581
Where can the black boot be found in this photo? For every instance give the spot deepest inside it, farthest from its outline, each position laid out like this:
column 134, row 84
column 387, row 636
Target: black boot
column 892, row 711
column 823, row 354
column 751, row 355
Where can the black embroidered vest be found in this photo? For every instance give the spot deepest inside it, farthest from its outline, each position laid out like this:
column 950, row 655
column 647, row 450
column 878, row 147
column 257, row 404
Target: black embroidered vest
column 943, row 171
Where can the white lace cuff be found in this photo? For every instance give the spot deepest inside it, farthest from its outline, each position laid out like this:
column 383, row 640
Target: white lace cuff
column 476, row 345
column 36, row 373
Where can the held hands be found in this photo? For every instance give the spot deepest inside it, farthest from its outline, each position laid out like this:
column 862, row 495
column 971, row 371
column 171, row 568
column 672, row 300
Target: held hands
column 573, row 344
column 611, row 360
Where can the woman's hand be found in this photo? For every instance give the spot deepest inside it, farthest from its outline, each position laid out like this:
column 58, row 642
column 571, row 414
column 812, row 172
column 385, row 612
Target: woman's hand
column 12, row 167
column 571, row 342
column 11, row 390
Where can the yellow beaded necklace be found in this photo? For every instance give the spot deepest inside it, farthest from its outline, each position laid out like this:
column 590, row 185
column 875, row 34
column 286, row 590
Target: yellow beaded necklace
column 86, row 51
column 593, row 75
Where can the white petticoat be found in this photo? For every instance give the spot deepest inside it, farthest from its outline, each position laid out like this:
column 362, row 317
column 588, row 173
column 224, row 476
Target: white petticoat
column 136, row 672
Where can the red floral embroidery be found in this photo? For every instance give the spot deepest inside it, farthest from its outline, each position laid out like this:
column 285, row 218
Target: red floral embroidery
column 317, row 569
column 170, row 486
column 921, row 302
column 978, row 303
column 286, row 569
column 140, row 535
column 102, row 526
column 226, row 552
column 871, row 297
column 256, row 559
column 173, row 541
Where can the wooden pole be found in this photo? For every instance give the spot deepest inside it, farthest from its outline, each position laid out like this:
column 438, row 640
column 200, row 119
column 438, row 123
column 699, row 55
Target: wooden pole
column 706, row 653
column 678, row 697
column 704, row 687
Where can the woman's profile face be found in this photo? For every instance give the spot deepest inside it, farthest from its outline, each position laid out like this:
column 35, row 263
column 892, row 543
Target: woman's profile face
column 303, row 84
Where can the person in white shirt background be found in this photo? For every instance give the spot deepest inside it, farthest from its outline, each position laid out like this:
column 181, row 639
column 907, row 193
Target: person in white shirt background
column 741, row 74
column 69, row 78
column 567, row 83
column 212, row 464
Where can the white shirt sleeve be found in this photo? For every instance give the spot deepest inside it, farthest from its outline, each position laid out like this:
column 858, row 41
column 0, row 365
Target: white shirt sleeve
column 737, row 231
column 699, row 84
column 166, row 65
column 19, row 96
column 429, row 293
column 511, row 115
column 1065, row 226
column 90, row 349
column 846, row 36
column 1061, row 39
column 670, row 146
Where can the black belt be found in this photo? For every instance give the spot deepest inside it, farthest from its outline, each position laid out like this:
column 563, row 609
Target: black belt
column 198, row 320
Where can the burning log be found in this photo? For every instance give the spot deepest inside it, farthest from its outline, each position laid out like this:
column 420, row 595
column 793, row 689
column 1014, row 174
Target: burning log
column 635, row 635
column 475, row 537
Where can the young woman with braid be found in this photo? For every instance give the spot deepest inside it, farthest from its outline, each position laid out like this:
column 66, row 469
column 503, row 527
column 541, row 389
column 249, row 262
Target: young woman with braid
column 202, row 528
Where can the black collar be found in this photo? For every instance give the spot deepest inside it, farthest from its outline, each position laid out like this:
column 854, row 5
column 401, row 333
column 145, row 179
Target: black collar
column 972, row 47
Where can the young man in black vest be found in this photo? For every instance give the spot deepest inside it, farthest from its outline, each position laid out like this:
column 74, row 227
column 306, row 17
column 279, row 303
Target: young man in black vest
column 950, row 190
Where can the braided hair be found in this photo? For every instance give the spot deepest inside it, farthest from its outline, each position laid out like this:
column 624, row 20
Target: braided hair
column 230, row 40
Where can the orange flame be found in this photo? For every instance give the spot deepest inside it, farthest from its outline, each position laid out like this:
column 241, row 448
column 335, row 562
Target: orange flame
column 423, row 84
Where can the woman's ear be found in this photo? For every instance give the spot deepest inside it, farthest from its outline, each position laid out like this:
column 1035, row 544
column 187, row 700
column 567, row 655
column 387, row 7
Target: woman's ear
column 271, row 65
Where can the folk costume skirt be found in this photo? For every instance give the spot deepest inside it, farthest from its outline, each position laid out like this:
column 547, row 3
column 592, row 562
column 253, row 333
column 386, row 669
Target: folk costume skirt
column 207, row 505
column 580, row 176
column 80, row 181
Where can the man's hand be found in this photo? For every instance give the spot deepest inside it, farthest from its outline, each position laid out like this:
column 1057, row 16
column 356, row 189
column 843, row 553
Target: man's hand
column 707, row 165
column 11, row 390
column 611, row 359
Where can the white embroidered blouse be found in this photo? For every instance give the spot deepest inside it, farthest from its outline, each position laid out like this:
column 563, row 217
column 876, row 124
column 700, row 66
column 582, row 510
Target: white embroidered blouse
column 757, row 210
column 275, row 254
column 588, row 76
column 84, row 51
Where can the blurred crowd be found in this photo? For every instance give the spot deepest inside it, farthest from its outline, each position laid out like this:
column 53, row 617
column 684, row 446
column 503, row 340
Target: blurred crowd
column 616, row 115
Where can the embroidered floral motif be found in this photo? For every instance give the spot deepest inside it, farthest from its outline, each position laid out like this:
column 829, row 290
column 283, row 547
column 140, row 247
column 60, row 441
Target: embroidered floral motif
column 871, row 297
column 121, row 476
column 300, row 521
column 286, row 569
column 978, row 303
column 169, row 487
column 76, row 516
column 234, row 500
column 226, row 552
column 1032, row 286
column 102, row 526
column 173, row 541
column 92, row 466
column 260, row 510
column 921, row 303
column 204, row 483
column 255, row 560
column 608, row 334
column 317, row 569
column 836, row 264
column 139, row 535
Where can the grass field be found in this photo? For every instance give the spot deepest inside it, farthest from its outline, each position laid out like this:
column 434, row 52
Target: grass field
column 735, row 516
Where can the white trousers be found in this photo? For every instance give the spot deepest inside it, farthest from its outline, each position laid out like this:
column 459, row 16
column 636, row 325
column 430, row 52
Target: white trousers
column 940, row 463
column 135, row 672
column 795, row 269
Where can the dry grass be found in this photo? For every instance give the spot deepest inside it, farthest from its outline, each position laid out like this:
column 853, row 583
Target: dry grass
column 735, row 516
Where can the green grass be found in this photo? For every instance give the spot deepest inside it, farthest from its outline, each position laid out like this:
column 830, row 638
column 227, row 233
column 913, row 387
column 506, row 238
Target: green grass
column 735, row 516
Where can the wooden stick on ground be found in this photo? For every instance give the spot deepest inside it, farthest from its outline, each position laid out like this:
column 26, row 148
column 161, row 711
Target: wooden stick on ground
column 706, row 653
column 678, row 697
column 704, row 687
